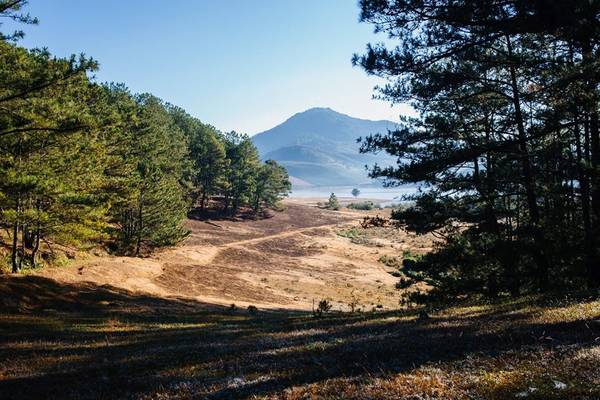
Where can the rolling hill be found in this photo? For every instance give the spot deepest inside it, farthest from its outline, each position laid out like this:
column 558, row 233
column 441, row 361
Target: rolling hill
column 318, row 147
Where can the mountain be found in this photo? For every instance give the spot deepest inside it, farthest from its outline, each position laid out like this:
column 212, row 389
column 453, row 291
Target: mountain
column 318, row 147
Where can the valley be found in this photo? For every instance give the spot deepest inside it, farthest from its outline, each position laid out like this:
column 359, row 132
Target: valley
column 289, row 260
column 300, row 200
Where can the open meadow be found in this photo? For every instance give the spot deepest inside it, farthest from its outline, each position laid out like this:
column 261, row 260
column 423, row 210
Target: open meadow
column 164, row 326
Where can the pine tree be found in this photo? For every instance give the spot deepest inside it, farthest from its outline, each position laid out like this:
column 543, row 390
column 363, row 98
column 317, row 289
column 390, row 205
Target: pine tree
column 207, row 153
column 333, row 203
column 11, row 9
column 272, row 184
column 48, row 129
column 156, row 206
column 241, row 172
column 504, row 142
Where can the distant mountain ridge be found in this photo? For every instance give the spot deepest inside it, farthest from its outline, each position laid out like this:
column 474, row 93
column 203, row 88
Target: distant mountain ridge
column 318, row 147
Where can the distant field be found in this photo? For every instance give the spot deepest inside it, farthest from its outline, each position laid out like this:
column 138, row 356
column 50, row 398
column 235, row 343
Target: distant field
column 375, row 193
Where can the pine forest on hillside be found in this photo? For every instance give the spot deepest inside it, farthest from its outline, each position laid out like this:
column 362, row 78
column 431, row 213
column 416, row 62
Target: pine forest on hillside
column 84, row 162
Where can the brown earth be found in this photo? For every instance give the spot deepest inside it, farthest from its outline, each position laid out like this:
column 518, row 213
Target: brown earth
column 287, row 260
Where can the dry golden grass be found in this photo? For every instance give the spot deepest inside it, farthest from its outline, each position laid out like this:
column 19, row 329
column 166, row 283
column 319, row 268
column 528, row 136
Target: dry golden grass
column 85, row 342
column 161, row 328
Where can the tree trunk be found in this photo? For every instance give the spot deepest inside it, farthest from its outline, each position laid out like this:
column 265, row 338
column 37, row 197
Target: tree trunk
column 22, row 252
column 594, row 268
column 584, row 188
column 203, row 200
column 140, row 224
column 256, row 204
column 594, row 144
column 538, row 251
column 14, row 249
column 226, row 202
column 36, row 247
column 235, row 205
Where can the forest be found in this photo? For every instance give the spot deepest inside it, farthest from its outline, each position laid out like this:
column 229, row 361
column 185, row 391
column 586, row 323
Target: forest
column 505, row 141
column 85, row 163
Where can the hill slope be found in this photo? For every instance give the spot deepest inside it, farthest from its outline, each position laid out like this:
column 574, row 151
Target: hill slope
column 319, row 146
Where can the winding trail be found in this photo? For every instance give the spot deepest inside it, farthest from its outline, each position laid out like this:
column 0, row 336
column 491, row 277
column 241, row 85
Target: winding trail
column 285, row 261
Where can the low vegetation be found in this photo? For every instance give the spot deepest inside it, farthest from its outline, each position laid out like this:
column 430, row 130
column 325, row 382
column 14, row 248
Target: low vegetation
column 333, row 203
column 364, row 205
column 107, row 343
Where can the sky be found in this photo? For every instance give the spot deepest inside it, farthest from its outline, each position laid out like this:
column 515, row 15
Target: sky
column 236, row 64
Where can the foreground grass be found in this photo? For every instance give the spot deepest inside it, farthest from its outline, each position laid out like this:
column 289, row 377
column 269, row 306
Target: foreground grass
column 83, row 342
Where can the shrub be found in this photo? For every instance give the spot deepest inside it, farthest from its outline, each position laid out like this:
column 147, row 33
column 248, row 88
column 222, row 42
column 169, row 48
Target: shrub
column 364, row 205
column 323, row 307
column 333, row 203
column 374, row 222
column 391, row 261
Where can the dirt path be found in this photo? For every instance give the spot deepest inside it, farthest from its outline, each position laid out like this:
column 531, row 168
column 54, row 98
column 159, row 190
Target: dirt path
column 287, row 261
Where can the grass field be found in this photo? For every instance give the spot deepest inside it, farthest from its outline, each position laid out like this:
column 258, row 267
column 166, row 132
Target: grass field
column 87, row 342
column 162, row 327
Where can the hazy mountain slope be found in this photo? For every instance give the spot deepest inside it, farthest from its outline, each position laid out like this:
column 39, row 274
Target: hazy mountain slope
column 319, row 146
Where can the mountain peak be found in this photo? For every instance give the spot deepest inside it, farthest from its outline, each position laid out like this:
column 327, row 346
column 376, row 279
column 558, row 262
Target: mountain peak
column 319, row 146
column 315, row 112
column 319, row 110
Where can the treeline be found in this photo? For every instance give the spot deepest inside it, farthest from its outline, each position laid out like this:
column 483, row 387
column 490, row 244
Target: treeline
column 83, row 163
column 506, row 141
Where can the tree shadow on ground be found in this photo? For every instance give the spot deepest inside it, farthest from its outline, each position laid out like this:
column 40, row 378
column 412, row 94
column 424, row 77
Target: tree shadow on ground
column 84, row 341
column 215, row 213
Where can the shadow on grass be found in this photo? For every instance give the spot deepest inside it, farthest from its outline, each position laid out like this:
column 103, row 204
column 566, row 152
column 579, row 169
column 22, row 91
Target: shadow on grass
column 85, row 341
column 216, row 214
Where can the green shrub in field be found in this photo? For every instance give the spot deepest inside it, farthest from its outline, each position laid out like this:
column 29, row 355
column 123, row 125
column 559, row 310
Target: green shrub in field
column 352, row 233
column 333, row 203
column 364, row 205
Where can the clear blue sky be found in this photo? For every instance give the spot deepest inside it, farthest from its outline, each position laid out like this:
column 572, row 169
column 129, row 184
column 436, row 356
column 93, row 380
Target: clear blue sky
column 237, row 64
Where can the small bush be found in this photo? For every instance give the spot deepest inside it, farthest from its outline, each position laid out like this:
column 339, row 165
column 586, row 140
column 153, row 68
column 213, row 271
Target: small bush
column 252, row 309
column 364, row 205
column 323, row 307
column 351, row 233
column 391, row 261
column 333, row 203
column 353, row 304
column 374, row 222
